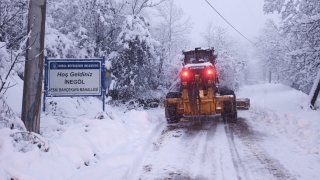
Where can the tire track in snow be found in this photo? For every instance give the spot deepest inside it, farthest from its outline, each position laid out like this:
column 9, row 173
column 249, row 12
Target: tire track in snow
column 204, row 166
column 132, row 172
column 210, row 150
column 167, row 159
column 226, row 166
column 194, row 163
column 207, row 158
column 248, row 138
column 187, row 142
column 237, row 162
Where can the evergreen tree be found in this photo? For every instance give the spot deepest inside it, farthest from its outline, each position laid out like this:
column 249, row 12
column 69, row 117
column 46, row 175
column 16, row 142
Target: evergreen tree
column 134, row 64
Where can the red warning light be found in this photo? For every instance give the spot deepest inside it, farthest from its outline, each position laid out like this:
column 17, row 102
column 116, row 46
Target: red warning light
column 210, row 72
column 185, row 73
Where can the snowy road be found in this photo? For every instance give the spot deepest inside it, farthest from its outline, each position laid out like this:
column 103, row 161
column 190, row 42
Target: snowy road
column 211, row 150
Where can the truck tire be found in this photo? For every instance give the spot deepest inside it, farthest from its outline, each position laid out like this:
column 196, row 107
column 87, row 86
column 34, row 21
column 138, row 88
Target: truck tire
column 172, row 115
column 171, row 109
column 228, row 116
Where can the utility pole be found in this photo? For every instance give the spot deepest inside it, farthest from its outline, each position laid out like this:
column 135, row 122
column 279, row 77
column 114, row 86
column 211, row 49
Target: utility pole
column 315, row 90
column 33, row 73
column 316, row 93
column 270, row 76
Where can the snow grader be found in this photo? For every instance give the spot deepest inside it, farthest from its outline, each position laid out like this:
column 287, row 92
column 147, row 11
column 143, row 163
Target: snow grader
column 199, row 93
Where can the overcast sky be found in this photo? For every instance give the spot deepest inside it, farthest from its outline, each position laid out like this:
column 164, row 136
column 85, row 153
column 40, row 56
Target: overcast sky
column 245, row 15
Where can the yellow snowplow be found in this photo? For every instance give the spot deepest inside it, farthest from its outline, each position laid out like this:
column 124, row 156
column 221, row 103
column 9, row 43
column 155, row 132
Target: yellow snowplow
column 199, row 94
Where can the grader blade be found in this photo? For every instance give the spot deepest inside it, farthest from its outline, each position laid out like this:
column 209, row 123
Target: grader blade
column 243, row 103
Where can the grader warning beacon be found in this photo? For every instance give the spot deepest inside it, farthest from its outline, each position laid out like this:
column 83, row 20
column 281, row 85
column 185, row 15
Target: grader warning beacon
column 199, row 93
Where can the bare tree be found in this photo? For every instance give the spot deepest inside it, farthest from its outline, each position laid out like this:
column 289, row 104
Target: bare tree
column 172, row 33
column 12, row 20
column 32, row 89
column 231, row 61
column 12, row 39
column 173, row 28
column 137, row 6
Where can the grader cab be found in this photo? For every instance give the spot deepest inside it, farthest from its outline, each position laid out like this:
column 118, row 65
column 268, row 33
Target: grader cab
column 199, row 94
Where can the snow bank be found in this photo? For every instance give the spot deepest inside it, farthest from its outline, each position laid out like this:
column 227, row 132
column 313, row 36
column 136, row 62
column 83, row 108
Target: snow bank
column 139, row 117
column 302, row 131
column 74, row 136
column 279, row 108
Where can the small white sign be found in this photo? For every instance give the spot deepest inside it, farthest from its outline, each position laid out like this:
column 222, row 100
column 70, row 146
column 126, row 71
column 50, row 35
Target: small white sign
column 74, row 78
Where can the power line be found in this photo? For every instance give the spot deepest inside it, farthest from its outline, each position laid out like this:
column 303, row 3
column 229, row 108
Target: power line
column 250, row 10
column 229, row 23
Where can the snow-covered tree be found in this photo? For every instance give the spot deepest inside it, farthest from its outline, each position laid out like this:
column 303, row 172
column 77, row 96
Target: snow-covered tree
column 13, row 21
column 115, row 29
column 134, row 64
column 13, row 14
column 300, row 22
column 62, row 21
column 270, row 49
column 13, row 36
column 83, row 28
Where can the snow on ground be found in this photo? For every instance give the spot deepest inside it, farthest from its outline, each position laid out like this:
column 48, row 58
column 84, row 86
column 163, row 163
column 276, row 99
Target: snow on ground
column 73, row 138
column 76, row 144
column 279, row 108
column 292, row 133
